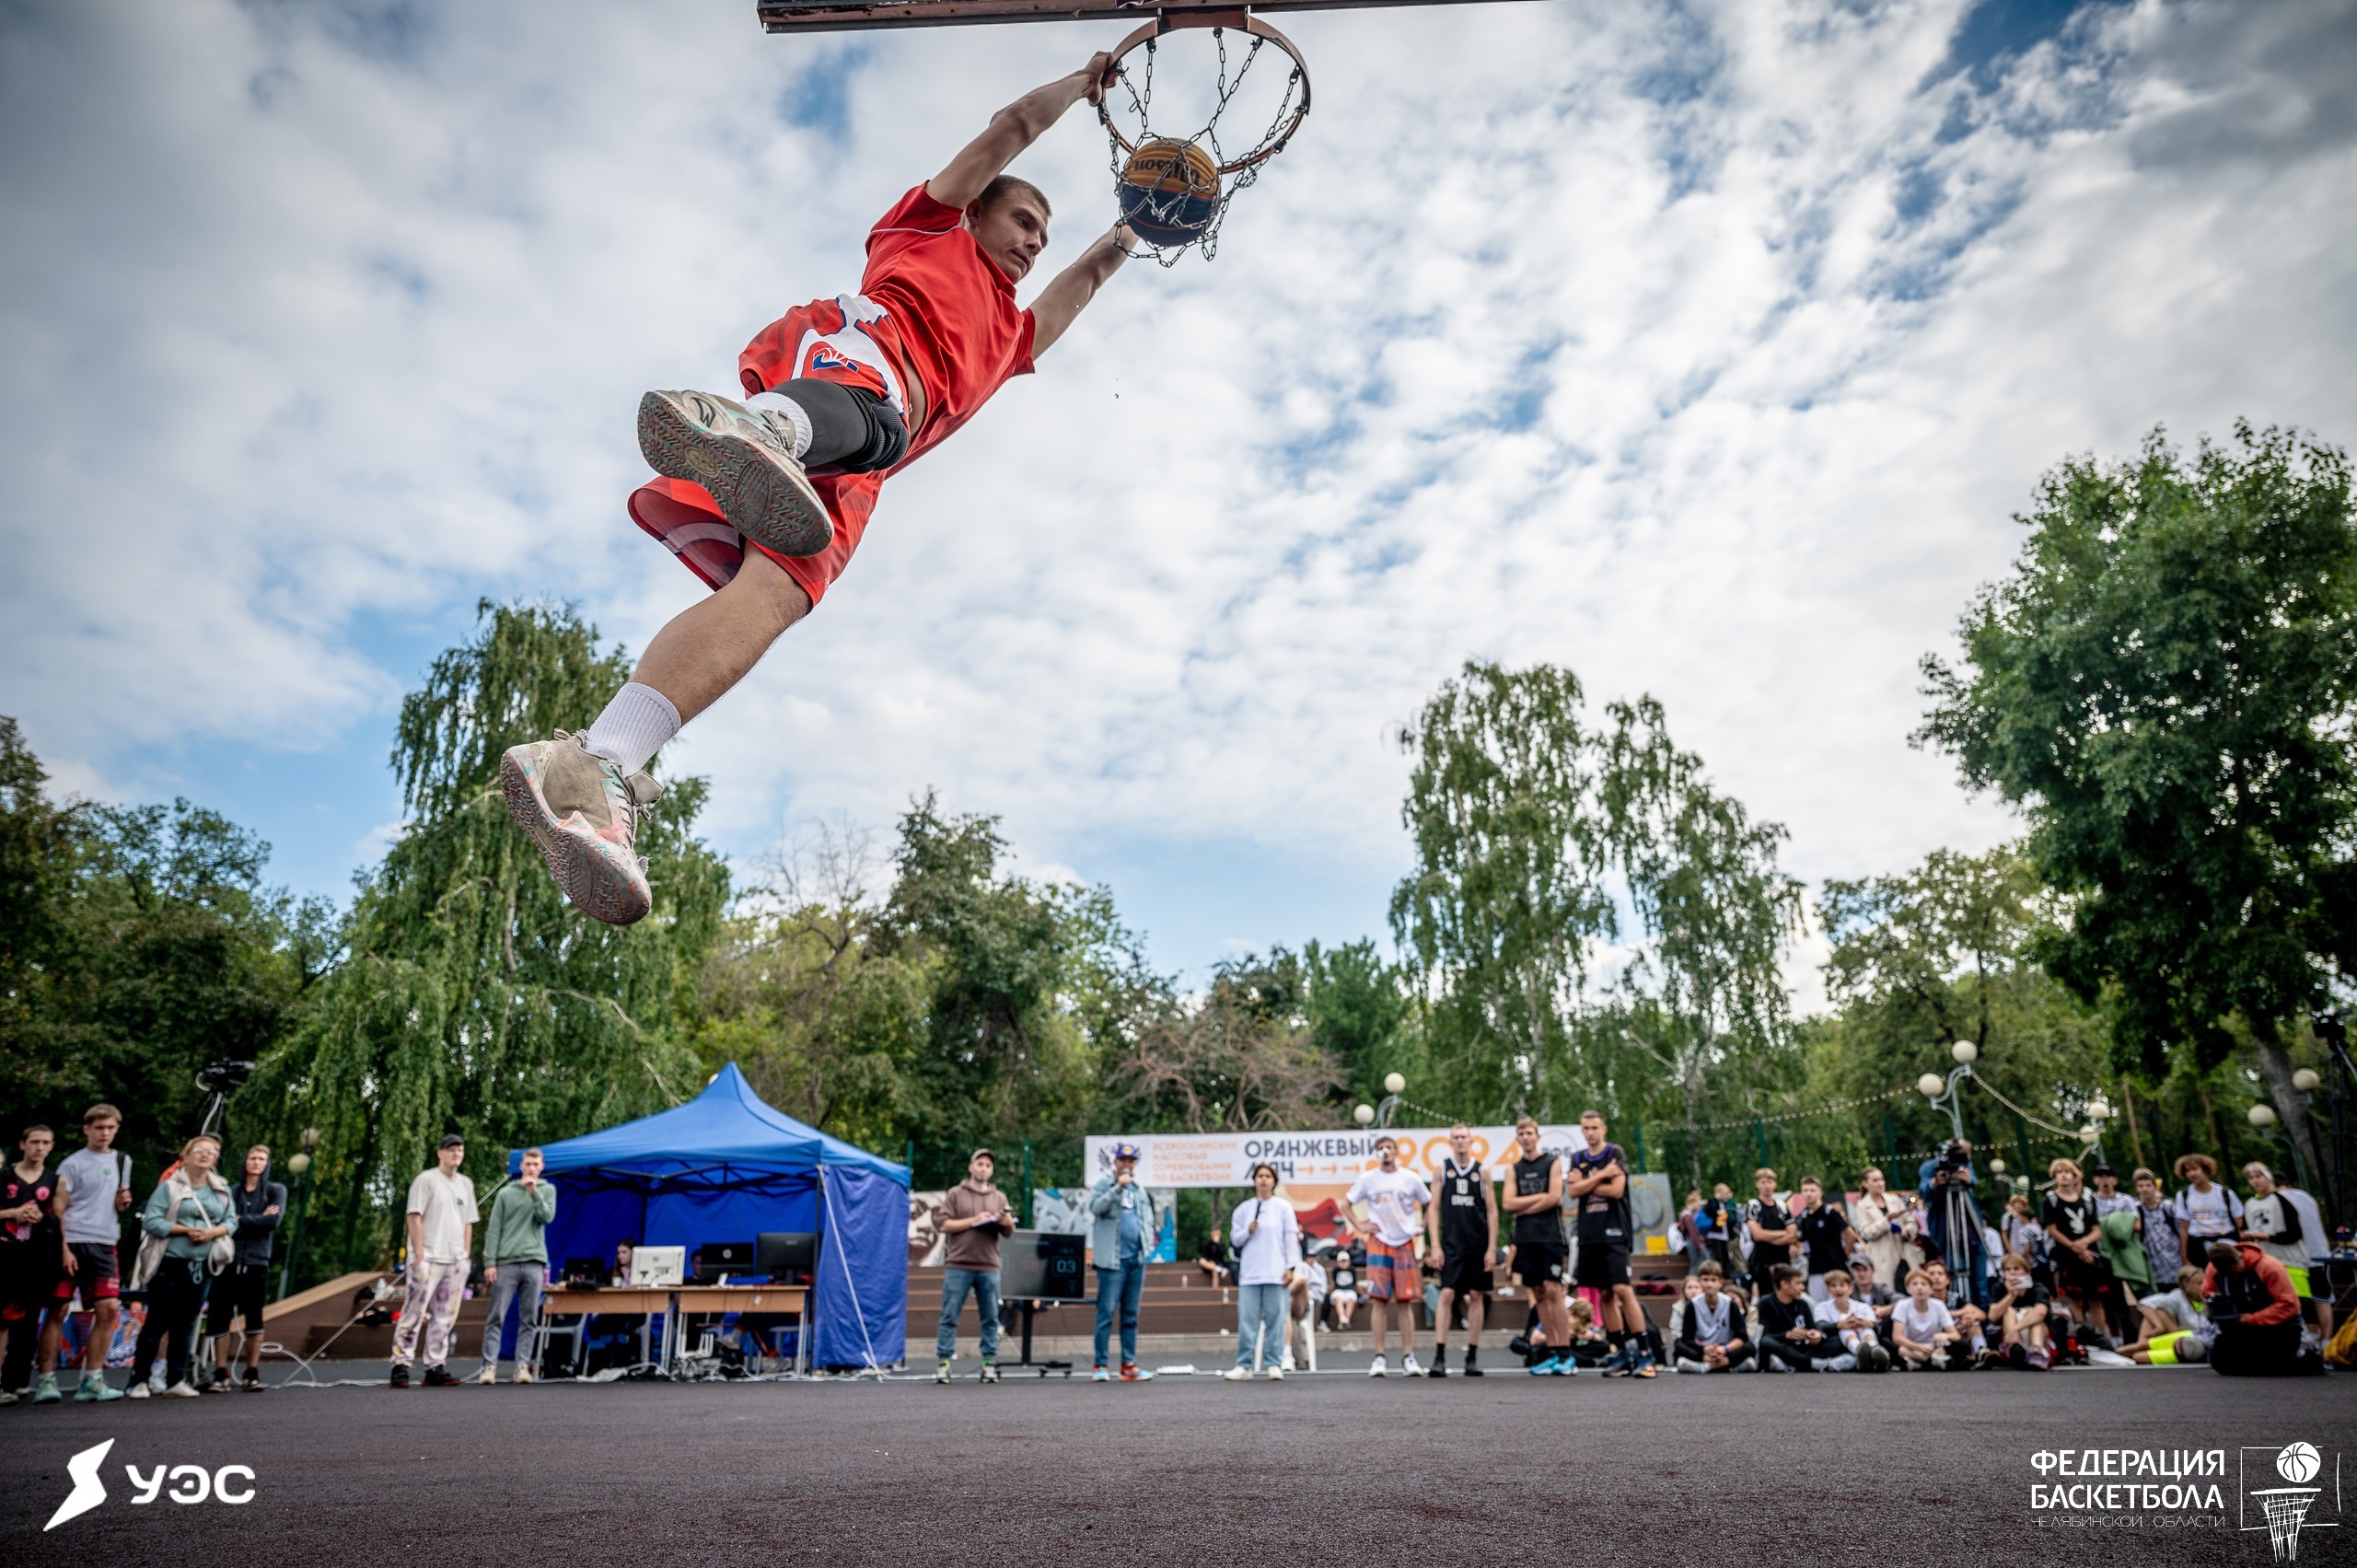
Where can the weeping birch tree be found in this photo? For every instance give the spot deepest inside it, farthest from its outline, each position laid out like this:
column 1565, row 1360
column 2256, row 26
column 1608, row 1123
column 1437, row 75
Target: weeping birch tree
column 1508, row 894
column 472, row 998
column 1534, row 834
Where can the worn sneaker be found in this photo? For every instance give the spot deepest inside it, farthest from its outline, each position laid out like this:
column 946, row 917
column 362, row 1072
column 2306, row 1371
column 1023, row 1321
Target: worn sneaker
column 1100, row 1376
column 255, row 1384
column 399, row 1379
column 941, row 1372
column 990, row 1372
column 490, row 1373
column 1379, row 1368
column 524, row 1373
column 8, row 1397
column 1276, row 1374
column 582, row 813
column 1133, row 1372
column 45, row 1392
column 1408, row 1367
column 1472, row 1367
column 220, row 1381
column 438, row 1377
column 1687, row 1364
column 95, row 1389
column 1545, row 1366
column 136, row 1391
column 744, row 459
column 183, row 1390
column 1237, row 1374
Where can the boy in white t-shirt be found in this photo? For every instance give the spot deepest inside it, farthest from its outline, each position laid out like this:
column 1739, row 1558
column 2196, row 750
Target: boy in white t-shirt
column 93, row 1190
column 2177, row 1330
column 1841, row 1314
column 1395, row 1198
column 1922, row 1328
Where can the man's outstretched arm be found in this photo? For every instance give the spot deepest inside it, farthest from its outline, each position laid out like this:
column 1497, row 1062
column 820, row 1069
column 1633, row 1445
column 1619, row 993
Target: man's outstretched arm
column 1014, row 128
column 1076, row 286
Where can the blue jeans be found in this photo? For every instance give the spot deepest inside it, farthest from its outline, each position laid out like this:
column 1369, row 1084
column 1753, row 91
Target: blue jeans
column 955, row 1283
column 1263, row 1316
column 1123, row 1286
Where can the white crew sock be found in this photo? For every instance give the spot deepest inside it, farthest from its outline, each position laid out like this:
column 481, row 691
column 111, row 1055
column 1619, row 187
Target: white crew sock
column 634, row 727
column 794, row 413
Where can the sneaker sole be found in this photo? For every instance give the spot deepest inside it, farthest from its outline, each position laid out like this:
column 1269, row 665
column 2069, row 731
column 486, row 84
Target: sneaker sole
column 772, row 505
column 585, row 868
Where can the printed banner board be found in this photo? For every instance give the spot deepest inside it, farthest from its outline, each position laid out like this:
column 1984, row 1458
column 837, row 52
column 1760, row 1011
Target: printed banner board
column 1316, row 1169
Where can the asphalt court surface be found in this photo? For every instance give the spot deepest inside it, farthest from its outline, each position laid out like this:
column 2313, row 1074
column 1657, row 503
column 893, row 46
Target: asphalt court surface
column 1331, row 1470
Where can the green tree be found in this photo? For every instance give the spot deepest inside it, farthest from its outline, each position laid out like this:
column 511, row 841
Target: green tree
column 2163, row 685
column 1008, row 1050
column 1508, row 891
column 802, row 994
column 1717, row 913
column 137, row 945
column 474, row 998
column 1359, row 1009
column 1940, row 954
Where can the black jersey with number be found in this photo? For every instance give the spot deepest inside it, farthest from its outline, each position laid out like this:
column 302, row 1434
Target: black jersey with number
column 1546, row 1225
column 1464, row 1215
column 1604, row 1222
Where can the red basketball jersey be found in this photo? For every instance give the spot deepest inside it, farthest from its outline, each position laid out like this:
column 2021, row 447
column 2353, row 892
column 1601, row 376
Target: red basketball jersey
column 950, row 317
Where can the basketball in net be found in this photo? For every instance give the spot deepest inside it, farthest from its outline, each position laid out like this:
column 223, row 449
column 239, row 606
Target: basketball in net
column 1169, row 191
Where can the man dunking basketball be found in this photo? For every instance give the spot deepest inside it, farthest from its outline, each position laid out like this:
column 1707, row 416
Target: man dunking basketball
column 840, row 393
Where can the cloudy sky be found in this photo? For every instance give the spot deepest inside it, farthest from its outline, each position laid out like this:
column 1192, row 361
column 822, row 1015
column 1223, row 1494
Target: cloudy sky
column 1703, row 348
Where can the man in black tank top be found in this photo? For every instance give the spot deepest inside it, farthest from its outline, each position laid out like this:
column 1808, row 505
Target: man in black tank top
column 1462, row 1231
column 1539, row 1253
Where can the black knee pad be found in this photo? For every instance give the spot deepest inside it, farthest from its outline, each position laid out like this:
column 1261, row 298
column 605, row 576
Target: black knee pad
column 852, row 429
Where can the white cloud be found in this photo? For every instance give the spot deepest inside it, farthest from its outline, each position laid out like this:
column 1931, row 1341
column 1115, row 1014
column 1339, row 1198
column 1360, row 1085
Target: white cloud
column 1703, row 349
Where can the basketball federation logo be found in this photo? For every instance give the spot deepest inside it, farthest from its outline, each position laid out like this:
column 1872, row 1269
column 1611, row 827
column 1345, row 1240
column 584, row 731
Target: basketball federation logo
column 2287, row 1490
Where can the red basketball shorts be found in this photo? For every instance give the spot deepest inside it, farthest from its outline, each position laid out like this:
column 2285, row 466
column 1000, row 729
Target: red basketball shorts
column 827, row 340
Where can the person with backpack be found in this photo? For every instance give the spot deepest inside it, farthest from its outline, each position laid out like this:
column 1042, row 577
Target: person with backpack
column 189, row 1220
column 93, row 1190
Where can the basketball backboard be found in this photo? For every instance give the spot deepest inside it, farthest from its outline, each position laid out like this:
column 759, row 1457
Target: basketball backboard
column 835, row 16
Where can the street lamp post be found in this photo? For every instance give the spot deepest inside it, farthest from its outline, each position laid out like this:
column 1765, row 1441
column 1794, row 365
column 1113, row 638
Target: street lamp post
column 1943, row 1093
column 299, row 1165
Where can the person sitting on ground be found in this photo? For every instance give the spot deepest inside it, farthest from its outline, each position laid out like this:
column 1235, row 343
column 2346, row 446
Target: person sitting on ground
column 2249, row 1298
column 1790, row 1340
column 1709, row 1328
column 1971, row 1321
column 1923, row 1331
column 2177, row 1330
column 1591, row 1345
column 1871, row 1292
column 1852, row 1323
column 1212, row 1260
column 2021, row 1313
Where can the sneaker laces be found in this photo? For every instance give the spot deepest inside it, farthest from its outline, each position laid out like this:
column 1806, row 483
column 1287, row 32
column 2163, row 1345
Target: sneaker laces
column 638, row 791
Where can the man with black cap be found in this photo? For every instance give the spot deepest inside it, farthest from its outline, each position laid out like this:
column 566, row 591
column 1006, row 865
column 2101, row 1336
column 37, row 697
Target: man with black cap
column 441, row 1236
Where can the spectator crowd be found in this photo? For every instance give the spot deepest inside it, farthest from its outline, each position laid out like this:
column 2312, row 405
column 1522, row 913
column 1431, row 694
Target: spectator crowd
column 1813, row 1278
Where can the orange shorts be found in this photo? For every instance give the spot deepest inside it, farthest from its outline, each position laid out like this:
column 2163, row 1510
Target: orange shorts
column 830, row 342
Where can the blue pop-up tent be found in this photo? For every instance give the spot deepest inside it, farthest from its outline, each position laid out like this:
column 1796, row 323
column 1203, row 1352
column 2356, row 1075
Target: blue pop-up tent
column 725, row 1166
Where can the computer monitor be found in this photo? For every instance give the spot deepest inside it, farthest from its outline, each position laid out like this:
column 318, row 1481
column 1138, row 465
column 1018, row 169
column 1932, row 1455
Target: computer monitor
column 781, row 1254
column 714, row 1258
column 658, row 1266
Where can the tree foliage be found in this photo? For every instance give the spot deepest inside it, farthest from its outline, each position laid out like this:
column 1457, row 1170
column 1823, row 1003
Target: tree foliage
column 2165, row 685
column 137, row 945
column 474, row 997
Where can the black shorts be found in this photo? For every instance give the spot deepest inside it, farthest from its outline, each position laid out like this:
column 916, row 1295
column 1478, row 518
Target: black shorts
column 1538, row 1262
column 94, row 1274
column 1466, row 1272
column 241, row 1289
column 1600, row 1267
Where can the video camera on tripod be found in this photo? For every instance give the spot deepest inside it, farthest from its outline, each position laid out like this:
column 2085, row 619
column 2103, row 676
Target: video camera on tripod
column 220, row 1080
column 1955, row 1160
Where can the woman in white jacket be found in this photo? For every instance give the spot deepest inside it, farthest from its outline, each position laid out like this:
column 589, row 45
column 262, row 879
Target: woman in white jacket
column 1885, row 1226
column 1267, row 1238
